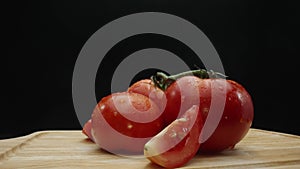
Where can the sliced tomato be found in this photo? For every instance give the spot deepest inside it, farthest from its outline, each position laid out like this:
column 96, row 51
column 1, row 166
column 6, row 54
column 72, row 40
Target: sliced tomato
column 178, row 142
column 123, row 122
column 147, row 88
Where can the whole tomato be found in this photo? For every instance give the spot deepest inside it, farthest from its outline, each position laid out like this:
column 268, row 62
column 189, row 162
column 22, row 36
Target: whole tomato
column 123, row 122
column 235, row 122
column 184, row 90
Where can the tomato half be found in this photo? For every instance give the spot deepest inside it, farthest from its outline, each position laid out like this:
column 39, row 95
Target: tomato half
column 177, row 143
column 124, row 122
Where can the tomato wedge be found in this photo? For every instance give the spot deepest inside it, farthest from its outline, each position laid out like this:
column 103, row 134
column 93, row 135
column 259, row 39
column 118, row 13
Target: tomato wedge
column 178, row 142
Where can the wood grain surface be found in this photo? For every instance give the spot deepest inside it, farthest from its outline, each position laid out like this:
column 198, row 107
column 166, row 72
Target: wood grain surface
column 71, row 149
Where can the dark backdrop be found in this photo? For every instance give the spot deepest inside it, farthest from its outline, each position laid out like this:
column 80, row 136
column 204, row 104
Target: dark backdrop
column 256, row 41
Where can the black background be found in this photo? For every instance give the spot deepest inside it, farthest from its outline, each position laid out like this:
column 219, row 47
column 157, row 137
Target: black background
column 256, row 40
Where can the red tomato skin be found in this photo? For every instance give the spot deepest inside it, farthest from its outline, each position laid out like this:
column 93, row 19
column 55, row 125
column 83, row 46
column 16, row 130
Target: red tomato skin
column 147, row 88
column 236, row 120
column 184, row 148
column 188, row 85
column 87, row 129
column 119, row 132
column 237, row 114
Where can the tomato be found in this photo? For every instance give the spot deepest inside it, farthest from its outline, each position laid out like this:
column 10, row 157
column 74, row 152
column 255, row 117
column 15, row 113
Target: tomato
column 87, row 129
column 181, row 95
column 235, row 122
column 144, row 87
column 177, row 143
column 237, row 114
column 147, row 88
column 124, row 122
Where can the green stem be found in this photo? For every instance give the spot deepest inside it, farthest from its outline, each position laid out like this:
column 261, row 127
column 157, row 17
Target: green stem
column 163, row 81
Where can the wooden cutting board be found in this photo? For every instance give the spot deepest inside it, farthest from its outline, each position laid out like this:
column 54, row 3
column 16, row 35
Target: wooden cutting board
column 70, row 149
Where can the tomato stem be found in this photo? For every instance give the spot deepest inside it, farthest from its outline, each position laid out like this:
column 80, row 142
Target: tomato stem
column 163, row 81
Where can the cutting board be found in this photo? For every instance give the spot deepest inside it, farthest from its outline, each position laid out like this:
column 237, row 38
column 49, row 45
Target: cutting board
column 71, row 149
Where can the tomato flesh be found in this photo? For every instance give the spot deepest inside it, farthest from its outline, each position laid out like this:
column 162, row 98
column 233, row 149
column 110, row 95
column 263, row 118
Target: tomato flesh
column 178, row 142
column 147, row 88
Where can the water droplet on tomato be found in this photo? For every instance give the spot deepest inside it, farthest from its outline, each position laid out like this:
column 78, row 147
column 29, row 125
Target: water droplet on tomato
column 102, row 107
column 173, row 134
column 182, row 98
column 129, row 126
column 115, row 114
column 205, row 110
column 122, row 101
column 242, row 120
column 185, row 129
column 182, row 120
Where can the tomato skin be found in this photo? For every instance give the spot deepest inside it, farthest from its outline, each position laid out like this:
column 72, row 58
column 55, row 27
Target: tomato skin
column 178, row 142
column 124, row 122
column 87, row 129
column 147, row 88
column 237, row 114
column 183, row 94
column 144, row 87
column 235, row 122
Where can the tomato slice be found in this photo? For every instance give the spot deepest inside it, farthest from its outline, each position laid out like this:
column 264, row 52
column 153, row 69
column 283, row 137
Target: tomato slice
column 178, row 142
